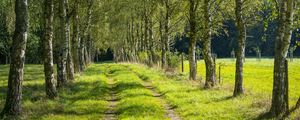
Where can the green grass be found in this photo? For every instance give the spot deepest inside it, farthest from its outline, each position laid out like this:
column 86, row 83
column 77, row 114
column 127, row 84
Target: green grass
column 192, row 102
column 137, row 102
column 83, row 99
column 86, row 98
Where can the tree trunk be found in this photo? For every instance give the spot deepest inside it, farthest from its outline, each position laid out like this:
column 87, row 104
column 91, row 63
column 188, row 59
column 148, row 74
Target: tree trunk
column 70, row 64
column 298, row 104
column 146, row 35
column 61, row 72
column 86, row 49
column 14, row 94
column 89, row 49
column 48, row 50
column 151, row 42
column 138, row 41
column 81, row 54
column 84, row 36
column 163, row 49
column 142, row 37
column 209, row 62
column 63, row 48
column 75, row 38
column 192, row 43
column 240, row 54
column 166, row 35
column 132, row 50
column 280, row 104
column 85, row 56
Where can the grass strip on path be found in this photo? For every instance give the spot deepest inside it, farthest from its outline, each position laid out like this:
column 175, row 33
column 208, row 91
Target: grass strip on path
column 111, row 113
column 170, row 113
column 136, row 102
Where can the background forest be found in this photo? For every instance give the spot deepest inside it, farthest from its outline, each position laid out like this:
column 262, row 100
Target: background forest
column 111, row 17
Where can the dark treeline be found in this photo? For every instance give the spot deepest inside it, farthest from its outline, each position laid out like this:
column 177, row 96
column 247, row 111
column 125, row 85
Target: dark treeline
column 224, row 43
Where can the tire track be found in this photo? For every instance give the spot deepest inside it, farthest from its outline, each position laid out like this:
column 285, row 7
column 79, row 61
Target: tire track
column 111, row 112
column 170, row 113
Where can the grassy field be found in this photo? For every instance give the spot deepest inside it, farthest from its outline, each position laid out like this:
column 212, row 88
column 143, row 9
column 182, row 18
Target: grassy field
column 192, row 102
column 83, row 99
column 87, row 97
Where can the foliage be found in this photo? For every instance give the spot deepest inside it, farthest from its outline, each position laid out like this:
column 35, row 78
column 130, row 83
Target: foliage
column 174, row 60
column 110, row 20
column 143, row 57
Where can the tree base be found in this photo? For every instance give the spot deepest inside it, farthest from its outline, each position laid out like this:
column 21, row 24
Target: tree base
column 298, row 104
column 9, row 115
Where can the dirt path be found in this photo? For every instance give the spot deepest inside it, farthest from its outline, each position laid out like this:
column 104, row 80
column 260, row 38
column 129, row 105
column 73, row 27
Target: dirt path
column 111, row 112
column 170, row 113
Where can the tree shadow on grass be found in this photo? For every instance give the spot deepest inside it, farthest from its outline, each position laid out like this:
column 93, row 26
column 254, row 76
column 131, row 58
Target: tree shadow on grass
column 77, row 99
column 265, row 115
column 131, row 110
column 79, row 91
column 224, row 98
column 87, row 96
column 122, row 86
column 143, row 77
column 269, row 115
column 32, row 92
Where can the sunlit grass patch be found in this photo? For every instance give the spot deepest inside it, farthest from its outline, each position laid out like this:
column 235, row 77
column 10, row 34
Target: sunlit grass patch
column 192, row 102
column 80, row 100
column 136, row 102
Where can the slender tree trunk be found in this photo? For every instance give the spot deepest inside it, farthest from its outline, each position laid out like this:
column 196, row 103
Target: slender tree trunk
column 298, row 104
column 89, row 49
column 63, row 48
column 192, row 43
column 48, row 50
column 75, row 38
column 240, row 54
column 209, row 62
column 163, row 48
column 61, row 77
column 146, row 35
column 142, row 37
column 280, row 104
column 166, row 28
column 14, row 94
column 86, row 56
column 81, row 54
column 151, row 42
column 84, row 36
column 70, row 64
column 138, row 39
column 133, row 40
column 127, row 41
